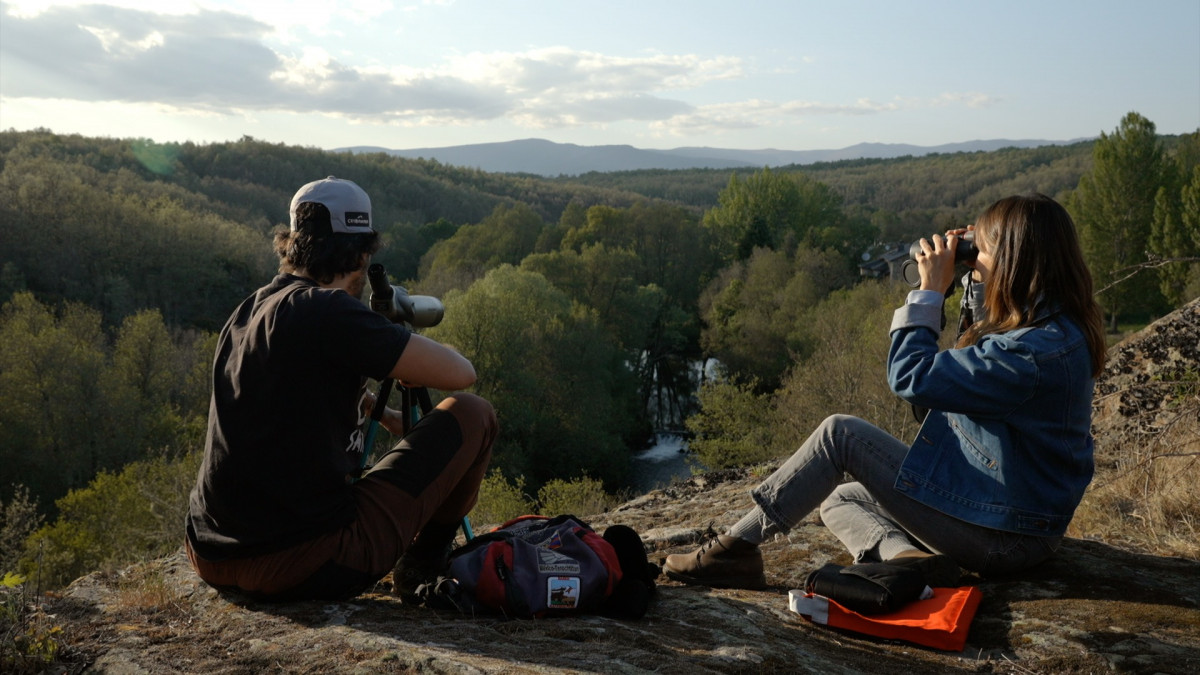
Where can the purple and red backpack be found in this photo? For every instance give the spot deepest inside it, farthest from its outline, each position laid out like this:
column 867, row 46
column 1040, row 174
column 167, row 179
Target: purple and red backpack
column 534, row 566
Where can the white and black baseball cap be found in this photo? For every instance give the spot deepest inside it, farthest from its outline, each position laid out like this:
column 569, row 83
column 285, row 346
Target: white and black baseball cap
column 348, row 204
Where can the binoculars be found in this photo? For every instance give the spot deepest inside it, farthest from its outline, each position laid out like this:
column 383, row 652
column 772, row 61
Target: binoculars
column 964, row 252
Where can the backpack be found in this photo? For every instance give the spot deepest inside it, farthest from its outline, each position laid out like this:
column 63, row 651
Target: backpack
column 534, row 566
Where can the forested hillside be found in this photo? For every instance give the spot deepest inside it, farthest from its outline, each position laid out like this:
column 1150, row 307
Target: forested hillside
column 587, row 305
column 903, row 196
column 129, row 224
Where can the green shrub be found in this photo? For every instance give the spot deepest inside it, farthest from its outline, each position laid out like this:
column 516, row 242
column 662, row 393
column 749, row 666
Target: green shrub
column 29, row 640
column 846, row 368
column 18, row 518
column 733, row 426
column 499, row 500
column 117, row 519
column 579, row 497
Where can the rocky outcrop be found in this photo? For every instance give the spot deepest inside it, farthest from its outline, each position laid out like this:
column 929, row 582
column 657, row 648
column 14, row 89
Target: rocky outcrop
column 1149, row 396
column 1096, row 608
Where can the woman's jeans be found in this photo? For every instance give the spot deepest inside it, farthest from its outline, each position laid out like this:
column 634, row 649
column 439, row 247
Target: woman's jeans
column 868, row 515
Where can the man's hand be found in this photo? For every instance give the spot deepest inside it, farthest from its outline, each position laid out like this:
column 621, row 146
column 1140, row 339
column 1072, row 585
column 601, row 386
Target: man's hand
column 392, row 420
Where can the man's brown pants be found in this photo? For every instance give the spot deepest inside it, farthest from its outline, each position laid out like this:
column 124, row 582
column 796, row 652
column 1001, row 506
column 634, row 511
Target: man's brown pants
column 432, row 475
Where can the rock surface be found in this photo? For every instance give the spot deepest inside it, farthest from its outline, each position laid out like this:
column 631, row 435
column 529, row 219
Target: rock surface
column 1093, row 609
column 1147, row 397
column 1096, row 608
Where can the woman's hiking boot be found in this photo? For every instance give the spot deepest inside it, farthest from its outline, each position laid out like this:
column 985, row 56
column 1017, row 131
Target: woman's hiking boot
column 721, row 562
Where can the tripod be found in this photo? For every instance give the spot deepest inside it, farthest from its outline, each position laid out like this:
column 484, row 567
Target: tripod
column 413, row 311
column 415, row 403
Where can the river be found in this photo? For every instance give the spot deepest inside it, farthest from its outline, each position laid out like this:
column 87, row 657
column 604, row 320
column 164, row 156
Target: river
column 667, row 459
column 661, row 463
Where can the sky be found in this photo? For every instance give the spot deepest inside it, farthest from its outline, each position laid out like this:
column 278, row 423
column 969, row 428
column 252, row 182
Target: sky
column 786, row 74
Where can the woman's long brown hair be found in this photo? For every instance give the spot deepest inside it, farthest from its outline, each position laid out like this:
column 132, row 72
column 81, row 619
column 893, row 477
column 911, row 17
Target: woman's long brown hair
column 1037, row 265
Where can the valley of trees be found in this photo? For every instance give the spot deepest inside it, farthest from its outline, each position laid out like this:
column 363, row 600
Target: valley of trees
column 586, row 304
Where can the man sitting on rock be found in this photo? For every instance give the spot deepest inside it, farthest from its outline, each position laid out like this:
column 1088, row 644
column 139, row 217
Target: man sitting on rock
column 278, row 511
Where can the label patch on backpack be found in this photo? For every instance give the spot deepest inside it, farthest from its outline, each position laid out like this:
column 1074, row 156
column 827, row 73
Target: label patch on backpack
column 550, row 562
column 562, row 592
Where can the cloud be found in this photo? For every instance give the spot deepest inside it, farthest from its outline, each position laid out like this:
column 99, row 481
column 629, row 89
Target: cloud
column 102, row 53
column 759, row 113
column 218, row 61
column 566, row 70
column 970, row 99
column 756, row 113
column 212, row 61
column 558, row 87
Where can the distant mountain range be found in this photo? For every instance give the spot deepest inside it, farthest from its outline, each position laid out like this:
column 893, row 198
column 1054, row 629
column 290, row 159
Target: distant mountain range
column 546, row 158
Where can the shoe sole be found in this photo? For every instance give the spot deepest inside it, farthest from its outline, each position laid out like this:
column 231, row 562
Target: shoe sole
column 724, row 582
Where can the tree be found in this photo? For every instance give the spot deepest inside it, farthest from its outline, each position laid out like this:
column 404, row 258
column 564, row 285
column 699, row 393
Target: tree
column 656, row 336
column 1175, row 234
column 54, row 423
column 18, row 518
column 505, row 237
column 641, row 268
column 1114, row 208
column 155, row 388
column 756, row 213
column 601, row 278
column 563, row 394
column 780, row 211
column 119, row 517
column 74, row 406
column 822, row 223
column 404, row 245
column 752, row 310
column 673, row 248
column 844, row 369
column 733, row 426
column 745, row 329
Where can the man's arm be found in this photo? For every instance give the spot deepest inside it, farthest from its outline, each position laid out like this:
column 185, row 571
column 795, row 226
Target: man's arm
column 426, row 363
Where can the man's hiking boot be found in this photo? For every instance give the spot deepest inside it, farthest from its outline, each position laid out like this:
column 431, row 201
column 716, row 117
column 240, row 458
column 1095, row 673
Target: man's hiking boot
column 412, row 572
column 721, row 562
column 424, row 561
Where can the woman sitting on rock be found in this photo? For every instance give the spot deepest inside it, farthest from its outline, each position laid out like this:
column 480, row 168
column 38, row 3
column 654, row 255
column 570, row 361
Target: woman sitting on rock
column 1005, row 453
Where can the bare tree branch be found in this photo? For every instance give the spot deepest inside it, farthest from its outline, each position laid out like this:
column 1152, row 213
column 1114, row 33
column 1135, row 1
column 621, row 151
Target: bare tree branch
column 1152, row 263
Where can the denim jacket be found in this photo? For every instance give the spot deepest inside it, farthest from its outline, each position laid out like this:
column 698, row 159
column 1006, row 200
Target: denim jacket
column 1007, row 443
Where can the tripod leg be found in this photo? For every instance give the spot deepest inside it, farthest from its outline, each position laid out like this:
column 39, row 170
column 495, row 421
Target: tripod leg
column 406, row 409
column 423, row 398
column 385, row 390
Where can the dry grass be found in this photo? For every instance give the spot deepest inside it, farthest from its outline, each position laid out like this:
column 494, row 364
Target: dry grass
column 1146, row 421
column 145, row 589
column 1144, row 495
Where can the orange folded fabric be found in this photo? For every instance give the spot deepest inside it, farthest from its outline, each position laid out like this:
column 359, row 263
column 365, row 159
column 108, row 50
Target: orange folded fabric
column 941, row 622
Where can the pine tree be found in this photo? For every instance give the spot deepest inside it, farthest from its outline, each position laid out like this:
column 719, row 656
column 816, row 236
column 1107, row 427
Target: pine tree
column 1175, row 234
column 1114, row 209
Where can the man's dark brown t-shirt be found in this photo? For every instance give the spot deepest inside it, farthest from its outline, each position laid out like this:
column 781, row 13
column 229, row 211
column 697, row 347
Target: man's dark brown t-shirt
column 285, row 431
